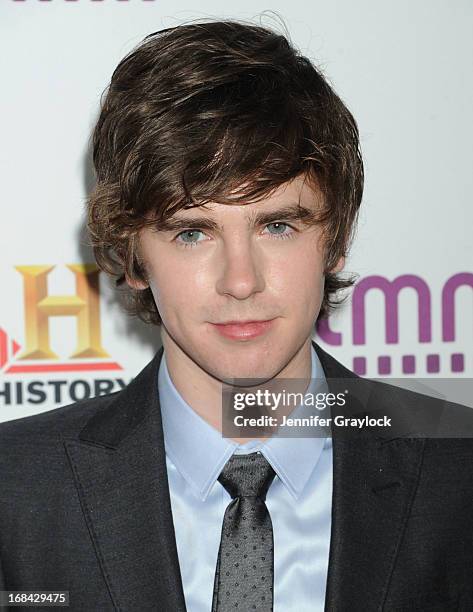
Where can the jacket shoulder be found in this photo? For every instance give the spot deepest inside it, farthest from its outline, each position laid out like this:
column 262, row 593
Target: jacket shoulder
column 63, row 422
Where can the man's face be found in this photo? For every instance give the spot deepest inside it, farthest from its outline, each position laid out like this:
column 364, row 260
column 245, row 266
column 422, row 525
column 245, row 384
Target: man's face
column 241, row 269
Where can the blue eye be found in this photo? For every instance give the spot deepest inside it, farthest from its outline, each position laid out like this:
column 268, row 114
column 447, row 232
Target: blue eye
column 191, row 233
column 281, row 234
column 184, row 242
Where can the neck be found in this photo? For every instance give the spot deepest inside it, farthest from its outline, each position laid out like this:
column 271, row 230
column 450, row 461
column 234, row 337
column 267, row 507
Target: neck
column 203, row 392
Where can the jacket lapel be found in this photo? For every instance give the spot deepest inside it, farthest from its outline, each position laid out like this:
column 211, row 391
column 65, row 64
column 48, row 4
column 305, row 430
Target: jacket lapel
column 374, row 482
column 119, row 467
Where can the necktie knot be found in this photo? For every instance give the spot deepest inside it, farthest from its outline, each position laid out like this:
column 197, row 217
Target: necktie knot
column 247, row 476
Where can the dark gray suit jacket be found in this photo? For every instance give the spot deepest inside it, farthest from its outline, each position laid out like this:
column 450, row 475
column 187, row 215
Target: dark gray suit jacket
column 85, row 507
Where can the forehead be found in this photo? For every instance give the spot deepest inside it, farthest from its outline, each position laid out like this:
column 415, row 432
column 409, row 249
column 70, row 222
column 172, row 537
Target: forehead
column 295, row 201
column 295, row 194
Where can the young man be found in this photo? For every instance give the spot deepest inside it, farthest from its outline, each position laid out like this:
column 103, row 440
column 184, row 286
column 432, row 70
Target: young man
column 228, row 184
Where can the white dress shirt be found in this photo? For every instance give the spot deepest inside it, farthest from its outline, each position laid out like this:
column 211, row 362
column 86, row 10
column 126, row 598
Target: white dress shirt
column 299, row 500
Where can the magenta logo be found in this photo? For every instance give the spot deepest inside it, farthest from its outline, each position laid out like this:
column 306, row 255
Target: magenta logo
column 391, row 290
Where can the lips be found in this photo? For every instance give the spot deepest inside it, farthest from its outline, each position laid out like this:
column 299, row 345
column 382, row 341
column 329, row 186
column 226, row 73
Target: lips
column 236, row 322
column 243, row 330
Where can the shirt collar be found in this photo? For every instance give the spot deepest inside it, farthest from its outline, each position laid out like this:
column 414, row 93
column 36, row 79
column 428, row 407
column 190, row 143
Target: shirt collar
column 199, row 452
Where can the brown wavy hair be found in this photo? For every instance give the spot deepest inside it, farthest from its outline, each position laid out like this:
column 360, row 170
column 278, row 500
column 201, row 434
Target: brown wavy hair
column 200, row 110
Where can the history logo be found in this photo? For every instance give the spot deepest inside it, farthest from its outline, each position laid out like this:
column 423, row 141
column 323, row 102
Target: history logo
column 47, row 376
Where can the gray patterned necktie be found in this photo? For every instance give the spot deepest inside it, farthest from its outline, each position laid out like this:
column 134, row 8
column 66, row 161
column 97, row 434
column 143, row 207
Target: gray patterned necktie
column 245, row 566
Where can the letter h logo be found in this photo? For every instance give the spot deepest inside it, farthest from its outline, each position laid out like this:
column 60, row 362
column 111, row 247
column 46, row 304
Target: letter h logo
column 39, row 307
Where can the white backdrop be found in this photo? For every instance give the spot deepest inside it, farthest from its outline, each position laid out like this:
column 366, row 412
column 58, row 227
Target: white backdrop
column 403, row 69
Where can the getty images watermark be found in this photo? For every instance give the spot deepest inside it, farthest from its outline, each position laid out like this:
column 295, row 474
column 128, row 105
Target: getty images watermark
column 348, row 408
column 266, row 400
column 292, row 408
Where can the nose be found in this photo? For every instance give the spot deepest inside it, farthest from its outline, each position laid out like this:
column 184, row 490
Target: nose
column 241, row 272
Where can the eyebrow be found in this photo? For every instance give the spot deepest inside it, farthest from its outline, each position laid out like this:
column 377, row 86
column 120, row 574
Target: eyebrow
column 287, row 213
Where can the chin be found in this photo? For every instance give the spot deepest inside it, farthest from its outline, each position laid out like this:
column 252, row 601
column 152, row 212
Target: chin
column 244, row 378
column 227, row 370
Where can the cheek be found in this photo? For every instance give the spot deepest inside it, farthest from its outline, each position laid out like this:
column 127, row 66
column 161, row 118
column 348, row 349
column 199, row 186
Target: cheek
column 176, row 289
column 299, row 278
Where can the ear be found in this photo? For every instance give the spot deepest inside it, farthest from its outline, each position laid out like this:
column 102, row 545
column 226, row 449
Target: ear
column 135, row 284
column 339, row 265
